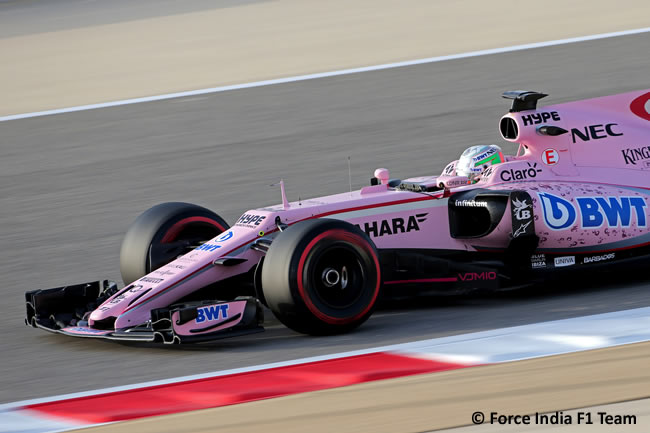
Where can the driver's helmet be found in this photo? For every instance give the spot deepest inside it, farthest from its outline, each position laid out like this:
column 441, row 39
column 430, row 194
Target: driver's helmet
column 477, row 158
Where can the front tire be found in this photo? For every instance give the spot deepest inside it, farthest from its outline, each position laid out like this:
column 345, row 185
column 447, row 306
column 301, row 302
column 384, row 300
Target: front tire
column 322, row 277
column 164, row 232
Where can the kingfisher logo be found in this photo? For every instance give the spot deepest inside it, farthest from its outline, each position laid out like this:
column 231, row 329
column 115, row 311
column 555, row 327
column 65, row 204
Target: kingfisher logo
column 641, row 106
column 393, row 226
column 560, row 214
column 212, row 313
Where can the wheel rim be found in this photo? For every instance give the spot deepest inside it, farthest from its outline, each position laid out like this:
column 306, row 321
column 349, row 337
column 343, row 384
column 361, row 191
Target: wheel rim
column 338, row 277
column 181, row 238
column 192, row 228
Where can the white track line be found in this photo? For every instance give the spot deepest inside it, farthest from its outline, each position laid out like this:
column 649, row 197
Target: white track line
column 327, row 74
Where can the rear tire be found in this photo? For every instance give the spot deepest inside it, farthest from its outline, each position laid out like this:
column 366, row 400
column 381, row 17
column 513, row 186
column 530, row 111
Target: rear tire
column 322, row 277
column 164, row 232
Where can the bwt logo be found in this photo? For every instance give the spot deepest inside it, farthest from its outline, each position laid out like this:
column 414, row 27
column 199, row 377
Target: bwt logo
column 224, row 237
column 211, row 313
column 394, row 226
column 478, row 276
column 560, row 214
column 208, row 247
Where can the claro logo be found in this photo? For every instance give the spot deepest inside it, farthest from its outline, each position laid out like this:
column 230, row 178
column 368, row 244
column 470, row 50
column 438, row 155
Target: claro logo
column 522, row 174
column 478, row 276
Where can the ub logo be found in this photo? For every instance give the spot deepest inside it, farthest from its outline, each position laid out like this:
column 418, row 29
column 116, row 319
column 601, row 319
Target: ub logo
column 521, row 209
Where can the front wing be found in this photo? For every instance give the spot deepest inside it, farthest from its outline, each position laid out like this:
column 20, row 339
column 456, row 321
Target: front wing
column 64, row 310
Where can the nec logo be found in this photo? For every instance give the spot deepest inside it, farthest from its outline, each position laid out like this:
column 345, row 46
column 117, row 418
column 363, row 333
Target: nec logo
column 595, row 132
column 478, row 276
column 211, row 313
column 394, row 226
column 560, row 214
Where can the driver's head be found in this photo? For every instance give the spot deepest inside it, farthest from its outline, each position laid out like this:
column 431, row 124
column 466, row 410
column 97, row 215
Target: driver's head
column 477, row 158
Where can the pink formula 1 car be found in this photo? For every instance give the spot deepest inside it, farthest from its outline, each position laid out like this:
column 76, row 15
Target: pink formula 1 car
column 575, row 196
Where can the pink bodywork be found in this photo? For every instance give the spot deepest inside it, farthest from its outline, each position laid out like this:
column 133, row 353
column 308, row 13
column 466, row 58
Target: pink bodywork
column 602, row 160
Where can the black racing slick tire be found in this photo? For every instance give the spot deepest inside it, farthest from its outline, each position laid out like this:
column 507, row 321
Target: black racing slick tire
column 164, row 232
column 322, row 277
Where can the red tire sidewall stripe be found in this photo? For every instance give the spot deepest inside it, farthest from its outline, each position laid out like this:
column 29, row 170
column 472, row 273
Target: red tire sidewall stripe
column 344, row 235
column 176, row 228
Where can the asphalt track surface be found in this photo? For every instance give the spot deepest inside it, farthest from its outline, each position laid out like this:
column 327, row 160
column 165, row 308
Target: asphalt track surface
column 72, row 183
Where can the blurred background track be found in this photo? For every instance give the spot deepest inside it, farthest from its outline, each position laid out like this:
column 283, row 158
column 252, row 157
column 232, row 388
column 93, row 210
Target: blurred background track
column 59, row 53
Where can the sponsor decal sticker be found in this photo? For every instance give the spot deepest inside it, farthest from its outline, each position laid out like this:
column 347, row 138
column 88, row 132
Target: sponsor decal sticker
column 456, row 182
column 550, row 157
column 484, row 157
column 611, row 211
column 560, row 214
column 521, row 174
column 565, row 261
column 449, row 169
column 521, row 230
column 207, row 247
column 485, row 176
column 83, row 330
column 596, row 132
column 596, row 259
column 538, row 261
column 537, row 118
column 393, row 226
column 250, row 220
column 162, row 272
column 212, row 313
column 478, row 276
column 522, row 209
column 632, row 155
column 151, row 280
column 469, row 203
column 641, row 106
column 116, row 300
column 226, row 236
